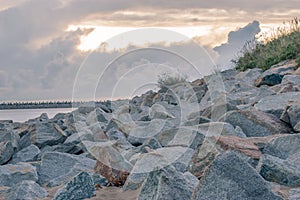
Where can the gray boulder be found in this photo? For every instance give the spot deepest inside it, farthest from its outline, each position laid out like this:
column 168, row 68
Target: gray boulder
column 98, row 115
column 256, row 123
column 8, row 134
column 44, row 133
column 80, row 187
column 11, row 175
column 56, row 168
column 26, row 190
column 269, row 79
column 283, row 147
column 165, row 183
column 276, row 104
column 27, row 154
column 249, row 76
column 285, row 172
column 293, row 112
column 157, row 111
column 231, row 177
column 6, row 151
column 145, row 130
column 294, row 194
column 291, row 79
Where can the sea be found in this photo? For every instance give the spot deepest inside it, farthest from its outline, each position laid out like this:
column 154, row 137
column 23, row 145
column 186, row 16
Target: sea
column 22, row 115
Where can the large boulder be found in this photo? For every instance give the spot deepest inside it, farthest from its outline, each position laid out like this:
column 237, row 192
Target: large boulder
column 110, row 162
column 27, row 154
column 6, row 151
column 178, row 157
column 283, row 147
column 157, row 111
column 249, row 76
column 231, row 177
column 294, row 194
column 285, row 172
column 56, row 168
column 256, row 123
column 80, row 187
column 276, row 104
column 8, row 134
column 26, row 190
column 269, row 79
column 44, row 133
column 293, row 115
column 158, row 180
column 98, row 115
column 145, row 130
column 11, row 175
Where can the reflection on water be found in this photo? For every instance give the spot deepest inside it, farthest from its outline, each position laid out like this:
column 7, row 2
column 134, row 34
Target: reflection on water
column 22, row 115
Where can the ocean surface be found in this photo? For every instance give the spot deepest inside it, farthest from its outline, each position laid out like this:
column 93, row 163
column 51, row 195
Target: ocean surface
column 22, row 115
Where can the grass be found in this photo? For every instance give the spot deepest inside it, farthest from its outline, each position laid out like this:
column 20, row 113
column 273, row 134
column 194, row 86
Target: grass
column 271, row 48
column 167, row 80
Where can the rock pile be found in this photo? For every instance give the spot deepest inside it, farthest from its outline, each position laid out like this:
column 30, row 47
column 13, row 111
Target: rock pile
column 233, row 135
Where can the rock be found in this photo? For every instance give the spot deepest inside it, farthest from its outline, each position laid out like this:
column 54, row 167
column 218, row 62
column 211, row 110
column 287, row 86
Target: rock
column 219, row 128
column 76, row 138
column 80, row 187
column 8, row 134
column 119, row 137
column 215, row 111
column 231, row 177
column 256, row 123
column 276, row 104
column 11, row 175
column 191, row 180
column 56, row 168
column 27, row 154
column 294, row 194
column 283, row 68
column 98, row 115
column 291, row 79
column 284, row 172
column 3, row 190
column 241, row 145
column 26, row 190
column 86, row 109
column 270, row 80
column 263, row 91
column 157, row 111
column 6, row 152
column 196, row 121
column 283, row 147
column 186, row 137
column 145, row 130
column 44, row 133
column 177, row 157
column 204, row 155
column 110, row 163
column 165, row 183
column 293, row 112
column 249, row 76
column 297, row 72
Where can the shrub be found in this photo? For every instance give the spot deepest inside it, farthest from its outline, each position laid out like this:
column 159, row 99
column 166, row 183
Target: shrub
column 271, row 48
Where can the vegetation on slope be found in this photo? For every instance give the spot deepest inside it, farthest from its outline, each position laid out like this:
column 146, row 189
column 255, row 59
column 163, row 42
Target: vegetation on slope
column 271, row 48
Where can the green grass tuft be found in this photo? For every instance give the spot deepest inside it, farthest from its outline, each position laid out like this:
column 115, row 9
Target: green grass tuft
column 269, row 49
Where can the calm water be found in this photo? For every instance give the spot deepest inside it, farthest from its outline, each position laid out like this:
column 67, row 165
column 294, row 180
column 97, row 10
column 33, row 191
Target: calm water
column 21, row 115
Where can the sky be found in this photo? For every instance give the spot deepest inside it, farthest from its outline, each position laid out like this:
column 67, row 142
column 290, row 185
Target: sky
column 64, row 49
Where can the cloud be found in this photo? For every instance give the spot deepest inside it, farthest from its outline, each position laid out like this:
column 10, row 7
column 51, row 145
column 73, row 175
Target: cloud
column 39, row 59
column 235, row 43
